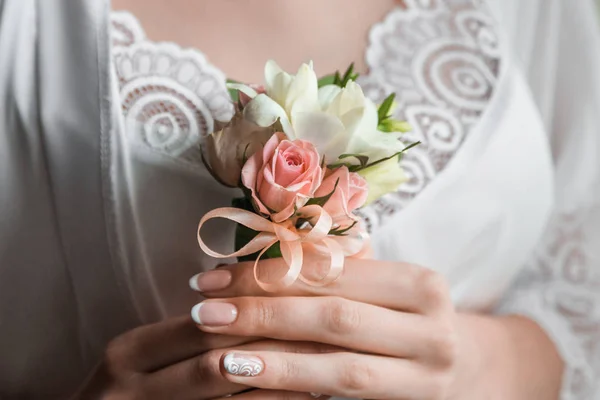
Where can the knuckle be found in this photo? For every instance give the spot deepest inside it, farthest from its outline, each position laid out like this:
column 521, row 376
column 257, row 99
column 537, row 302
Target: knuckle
column 341, row 316
column 264, row 313
column 434, row 289
column 117, row 352
column 444, row 345
column 289, row 370
column 256, row 315
column 356, row 377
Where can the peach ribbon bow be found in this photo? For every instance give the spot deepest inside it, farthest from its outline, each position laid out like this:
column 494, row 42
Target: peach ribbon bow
column 294, row 243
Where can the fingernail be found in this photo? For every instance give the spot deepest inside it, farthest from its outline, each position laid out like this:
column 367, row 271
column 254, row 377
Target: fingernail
column 214, row 314
column 211, row 280
column 243, row 364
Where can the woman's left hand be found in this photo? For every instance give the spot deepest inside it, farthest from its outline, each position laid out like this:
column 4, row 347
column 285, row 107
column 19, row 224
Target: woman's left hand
column 396, row 320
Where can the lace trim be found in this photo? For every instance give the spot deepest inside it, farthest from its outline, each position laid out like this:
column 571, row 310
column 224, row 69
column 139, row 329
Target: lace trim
column 125, row 29
column 442, row 59
column 171, row 97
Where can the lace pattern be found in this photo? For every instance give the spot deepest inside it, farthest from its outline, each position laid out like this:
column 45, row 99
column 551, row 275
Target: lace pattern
column 442, row 59
column 560, row 289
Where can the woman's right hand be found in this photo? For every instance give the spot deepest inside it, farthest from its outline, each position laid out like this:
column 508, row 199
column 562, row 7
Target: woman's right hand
column 173, row 360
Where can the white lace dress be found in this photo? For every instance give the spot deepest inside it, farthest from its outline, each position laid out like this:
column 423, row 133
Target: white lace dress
column 502, row 197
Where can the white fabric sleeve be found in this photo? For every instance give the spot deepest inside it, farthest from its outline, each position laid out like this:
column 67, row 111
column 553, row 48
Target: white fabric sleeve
column 60, row 299
column 560, row 287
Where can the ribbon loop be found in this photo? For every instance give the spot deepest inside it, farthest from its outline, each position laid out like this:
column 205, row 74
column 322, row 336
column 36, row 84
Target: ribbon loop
column 292, row 242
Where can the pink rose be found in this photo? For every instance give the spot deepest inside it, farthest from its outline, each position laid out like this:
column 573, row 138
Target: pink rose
column 351, row 194
column 284, row 175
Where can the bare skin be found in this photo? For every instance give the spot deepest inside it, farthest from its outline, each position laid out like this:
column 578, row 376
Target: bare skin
column 234, row 37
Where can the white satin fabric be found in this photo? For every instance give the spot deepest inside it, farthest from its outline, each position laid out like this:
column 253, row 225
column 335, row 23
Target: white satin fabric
column 101, row 189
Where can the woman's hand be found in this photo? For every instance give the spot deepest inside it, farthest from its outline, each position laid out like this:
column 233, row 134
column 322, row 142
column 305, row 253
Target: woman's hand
column 173, row 360
column 397, row 320
column 404, row 339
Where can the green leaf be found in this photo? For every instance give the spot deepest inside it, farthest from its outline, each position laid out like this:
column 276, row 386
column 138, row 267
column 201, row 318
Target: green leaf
column 320, row 201
column 342, row 81
column 398, row 154
column 384, row 108
column 349, row 76
column 327, row 80
column 392, row 125
column 342, row 232
column 273, row 252
column 340, row 164
column 243, row 236
column 254, row 207
column 410, row 146
column 363, row 160
column 234, row 94
column 242, row 203
column 337, row 80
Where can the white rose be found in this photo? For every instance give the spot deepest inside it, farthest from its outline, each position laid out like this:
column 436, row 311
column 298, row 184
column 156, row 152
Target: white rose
column 346, row 124
column 336, row 120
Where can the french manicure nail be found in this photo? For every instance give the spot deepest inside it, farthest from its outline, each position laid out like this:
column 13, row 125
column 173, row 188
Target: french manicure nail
column 211, row 280
column 214, row 313
column 243, row 364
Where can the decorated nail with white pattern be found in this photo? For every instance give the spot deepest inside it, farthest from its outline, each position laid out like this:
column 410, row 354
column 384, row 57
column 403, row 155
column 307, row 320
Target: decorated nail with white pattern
column 243, row 365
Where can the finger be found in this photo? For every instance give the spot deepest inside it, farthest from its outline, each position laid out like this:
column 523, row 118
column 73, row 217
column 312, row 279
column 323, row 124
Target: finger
column 200, row 377
column 337, row 374
column 398, row 286
column 330, row 320
column 274, row 395
column 155, row 346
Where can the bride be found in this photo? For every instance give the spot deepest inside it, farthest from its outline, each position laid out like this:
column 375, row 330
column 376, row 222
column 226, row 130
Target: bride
column 486, row 283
